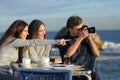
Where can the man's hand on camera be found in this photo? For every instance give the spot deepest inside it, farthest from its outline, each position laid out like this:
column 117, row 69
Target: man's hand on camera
column 84, row 33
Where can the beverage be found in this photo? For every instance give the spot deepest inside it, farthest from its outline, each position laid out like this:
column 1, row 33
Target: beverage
column 66, row 60
column 52, row 60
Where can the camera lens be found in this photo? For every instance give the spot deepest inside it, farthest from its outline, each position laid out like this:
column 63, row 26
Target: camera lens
column 91, row 30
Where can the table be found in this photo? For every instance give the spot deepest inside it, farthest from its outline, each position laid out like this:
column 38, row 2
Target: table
column 75, row 69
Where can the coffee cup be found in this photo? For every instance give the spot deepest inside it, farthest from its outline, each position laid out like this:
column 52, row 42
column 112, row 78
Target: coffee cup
column 44, row 60
column 26, row 60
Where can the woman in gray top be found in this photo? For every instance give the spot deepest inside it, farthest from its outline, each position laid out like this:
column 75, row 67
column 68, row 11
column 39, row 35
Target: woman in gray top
column 13, row 39
column 37, row 30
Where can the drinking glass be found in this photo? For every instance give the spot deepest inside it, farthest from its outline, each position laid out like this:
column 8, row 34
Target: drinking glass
column 67, row 60
column 54, row 53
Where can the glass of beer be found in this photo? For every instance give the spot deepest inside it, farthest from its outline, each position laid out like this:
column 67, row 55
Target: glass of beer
column 66, row 60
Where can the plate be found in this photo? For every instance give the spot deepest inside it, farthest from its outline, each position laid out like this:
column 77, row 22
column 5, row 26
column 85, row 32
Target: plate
column 60, row 68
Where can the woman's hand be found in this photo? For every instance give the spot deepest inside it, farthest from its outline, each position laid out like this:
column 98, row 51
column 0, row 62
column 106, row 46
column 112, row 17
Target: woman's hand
column 63, row 41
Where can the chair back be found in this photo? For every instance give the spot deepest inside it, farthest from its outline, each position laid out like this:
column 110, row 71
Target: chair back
column 37, row 74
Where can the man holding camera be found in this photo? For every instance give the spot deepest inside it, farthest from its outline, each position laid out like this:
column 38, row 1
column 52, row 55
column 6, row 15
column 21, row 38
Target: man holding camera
column 81, row 49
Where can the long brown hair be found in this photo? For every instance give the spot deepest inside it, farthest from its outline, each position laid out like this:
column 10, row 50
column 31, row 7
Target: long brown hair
column 14, row 30
column 33, row 29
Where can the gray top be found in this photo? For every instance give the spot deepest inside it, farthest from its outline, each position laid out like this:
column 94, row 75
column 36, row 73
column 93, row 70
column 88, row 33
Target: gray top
column 9, row 50
column 37, row 52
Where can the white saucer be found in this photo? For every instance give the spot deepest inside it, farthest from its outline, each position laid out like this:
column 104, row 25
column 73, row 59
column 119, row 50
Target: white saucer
column 26, row 65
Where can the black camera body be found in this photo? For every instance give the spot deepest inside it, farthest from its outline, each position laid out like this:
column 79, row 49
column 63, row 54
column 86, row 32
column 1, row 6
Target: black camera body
column 90, row 29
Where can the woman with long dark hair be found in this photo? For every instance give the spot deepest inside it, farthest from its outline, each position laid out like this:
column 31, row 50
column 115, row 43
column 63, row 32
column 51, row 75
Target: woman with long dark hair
column 37, row 30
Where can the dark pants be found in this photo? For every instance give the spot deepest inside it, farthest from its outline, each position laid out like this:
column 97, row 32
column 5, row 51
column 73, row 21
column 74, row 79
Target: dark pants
column 7, row 77
column 93, row 74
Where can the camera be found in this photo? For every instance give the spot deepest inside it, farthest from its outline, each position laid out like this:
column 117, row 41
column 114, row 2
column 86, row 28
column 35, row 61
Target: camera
column 90, row 29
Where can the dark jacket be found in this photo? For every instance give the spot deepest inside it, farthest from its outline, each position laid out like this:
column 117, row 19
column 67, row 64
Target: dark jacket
column 82, row 56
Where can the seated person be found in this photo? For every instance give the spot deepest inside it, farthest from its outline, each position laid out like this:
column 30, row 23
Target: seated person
column 81, row 49
column 37, row 30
